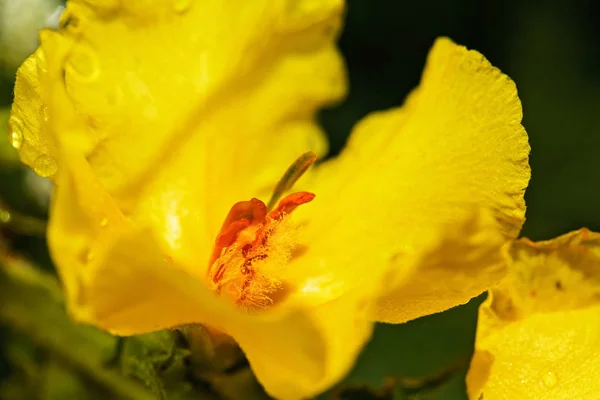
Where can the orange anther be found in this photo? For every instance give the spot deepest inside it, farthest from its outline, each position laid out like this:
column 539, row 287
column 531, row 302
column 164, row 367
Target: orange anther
column 246, row 242
column 242, row 215
column 290, row 202
column 228, row 236
column 252, row 210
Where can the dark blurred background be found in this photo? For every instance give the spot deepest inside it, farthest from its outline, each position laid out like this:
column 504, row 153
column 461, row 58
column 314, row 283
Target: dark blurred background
column 550, row 49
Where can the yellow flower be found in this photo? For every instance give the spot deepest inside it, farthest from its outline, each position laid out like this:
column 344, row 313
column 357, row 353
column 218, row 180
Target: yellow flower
column 156, row 121
column 538, row 335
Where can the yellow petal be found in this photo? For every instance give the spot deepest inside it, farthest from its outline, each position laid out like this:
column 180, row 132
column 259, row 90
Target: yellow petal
column 234, row 106
column 207, row 134
column 465, row 261
column 307, row 350
column 455, row 147
column 151, row 76
column 538, row 335
column 123, row 279
column 127, row 283
column 28, row 128
column 295, row 353
column 216, row 114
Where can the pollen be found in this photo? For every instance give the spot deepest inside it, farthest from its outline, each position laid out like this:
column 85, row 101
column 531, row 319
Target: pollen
column 256, row 242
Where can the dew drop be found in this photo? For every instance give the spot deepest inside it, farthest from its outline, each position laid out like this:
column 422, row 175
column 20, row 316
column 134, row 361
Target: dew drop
column 181, row 6
column 44, row 113
column 83, row 65
column 16, row 139
column 86, row 255
column 45, row 166
column 549, row 379
column 15, row 132
column 103, row 222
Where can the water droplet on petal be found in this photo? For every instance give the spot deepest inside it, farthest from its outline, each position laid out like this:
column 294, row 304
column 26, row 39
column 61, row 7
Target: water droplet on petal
column 83, row 64
column 181, row 6
column 103, row 222
column 90, row 256
column 549, row 379
column 85, row 255
column 45, row 166
column 15, row 134
column 16, row 139
column 44, row 113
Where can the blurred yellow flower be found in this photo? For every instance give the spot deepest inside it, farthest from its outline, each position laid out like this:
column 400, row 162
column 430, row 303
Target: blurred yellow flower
column 538, row 335
column 159, row 123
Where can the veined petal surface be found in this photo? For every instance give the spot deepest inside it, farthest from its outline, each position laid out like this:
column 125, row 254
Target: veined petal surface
column 455, row 150
column 229, row 87
column 159, row 117
column 147, row 163
column 127, row 283
column 538, row 334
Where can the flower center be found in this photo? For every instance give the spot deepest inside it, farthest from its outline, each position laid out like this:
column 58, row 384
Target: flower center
column 255, row 241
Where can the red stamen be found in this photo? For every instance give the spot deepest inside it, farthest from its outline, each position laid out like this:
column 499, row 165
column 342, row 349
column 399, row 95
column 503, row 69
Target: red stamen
column 252, row 213
column 228, row 236
column 241, row 216
column 243, row 243
column 253, row 210
column 290, row 202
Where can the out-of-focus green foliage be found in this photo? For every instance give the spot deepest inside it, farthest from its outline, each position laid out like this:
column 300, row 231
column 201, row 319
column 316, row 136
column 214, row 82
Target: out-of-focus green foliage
column 44, row 346
column 51, row 358
column 18, row 28
column 8, row 155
